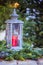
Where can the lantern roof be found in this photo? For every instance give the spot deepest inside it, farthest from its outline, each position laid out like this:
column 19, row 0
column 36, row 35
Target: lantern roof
column 14, row 19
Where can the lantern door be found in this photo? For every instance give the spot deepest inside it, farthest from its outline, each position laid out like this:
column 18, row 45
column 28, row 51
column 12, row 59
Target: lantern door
column 15, row 35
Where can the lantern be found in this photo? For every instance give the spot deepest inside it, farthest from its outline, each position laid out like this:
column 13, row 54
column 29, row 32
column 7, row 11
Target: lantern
column 14, row 32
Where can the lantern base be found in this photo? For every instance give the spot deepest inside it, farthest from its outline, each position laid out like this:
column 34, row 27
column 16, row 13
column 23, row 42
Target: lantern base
column 16, row 48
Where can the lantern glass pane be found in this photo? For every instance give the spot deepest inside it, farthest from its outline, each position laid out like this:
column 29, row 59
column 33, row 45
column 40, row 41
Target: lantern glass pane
column 15, row 34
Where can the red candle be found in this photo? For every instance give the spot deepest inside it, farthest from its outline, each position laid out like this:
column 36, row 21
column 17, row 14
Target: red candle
column 14, row 40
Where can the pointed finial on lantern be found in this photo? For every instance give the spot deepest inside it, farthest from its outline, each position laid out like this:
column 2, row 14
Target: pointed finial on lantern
column 14, row 14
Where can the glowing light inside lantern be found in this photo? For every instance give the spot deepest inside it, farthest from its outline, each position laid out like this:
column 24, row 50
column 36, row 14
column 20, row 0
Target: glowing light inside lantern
column 14, row 40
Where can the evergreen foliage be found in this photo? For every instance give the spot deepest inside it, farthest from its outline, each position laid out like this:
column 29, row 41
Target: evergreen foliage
column 28, row 52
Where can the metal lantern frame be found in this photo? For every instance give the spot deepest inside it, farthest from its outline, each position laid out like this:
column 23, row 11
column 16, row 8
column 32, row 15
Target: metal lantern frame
column 9, row 31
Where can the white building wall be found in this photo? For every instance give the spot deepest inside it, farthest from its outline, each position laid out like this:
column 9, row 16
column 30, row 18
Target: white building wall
column 2, row 35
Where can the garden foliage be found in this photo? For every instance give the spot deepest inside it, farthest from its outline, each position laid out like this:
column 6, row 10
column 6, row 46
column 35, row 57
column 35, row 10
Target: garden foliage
column 28, row 52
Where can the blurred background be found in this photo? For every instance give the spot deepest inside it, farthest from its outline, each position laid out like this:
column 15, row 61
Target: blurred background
column 31, row 12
